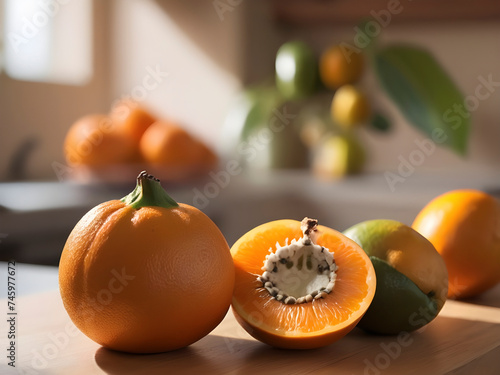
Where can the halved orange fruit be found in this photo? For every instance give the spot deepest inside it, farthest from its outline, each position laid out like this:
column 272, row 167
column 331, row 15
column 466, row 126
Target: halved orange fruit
column 300, row 285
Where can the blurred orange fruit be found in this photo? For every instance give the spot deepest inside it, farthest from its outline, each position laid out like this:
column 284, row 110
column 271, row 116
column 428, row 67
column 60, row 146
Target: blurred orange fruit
column 165, row 143
column 94, row 140
column 337, row 68
column 131, row 118
column 208, row 157
column 464, row 227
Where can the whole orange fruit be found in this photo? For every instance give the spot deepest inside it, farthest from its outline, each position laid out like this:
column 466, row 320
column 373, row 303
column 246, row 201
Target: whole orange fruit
column 94, row 140
column 144, row 274
column 338, row 67
column 464, row 227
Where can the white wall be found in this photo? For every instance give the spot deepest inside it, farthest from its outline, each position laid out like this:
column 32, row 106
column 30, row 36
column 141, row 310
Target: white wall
column 188, row 42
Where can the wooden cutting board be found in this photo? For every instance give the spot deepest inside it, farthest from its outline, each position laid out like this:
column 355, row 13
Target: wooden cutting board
column 463, row 339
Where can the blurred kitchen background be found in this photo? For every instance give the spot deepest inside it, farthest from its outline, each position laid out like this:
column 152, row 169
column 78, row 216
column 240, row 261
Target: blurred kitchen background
column 61, row 60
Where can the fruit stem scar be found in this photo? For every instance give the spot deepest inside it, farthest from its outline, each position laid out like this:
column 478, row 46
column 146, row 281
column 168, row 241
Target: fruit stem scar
column 310, row 229
column 147, row 193
column 285, row 277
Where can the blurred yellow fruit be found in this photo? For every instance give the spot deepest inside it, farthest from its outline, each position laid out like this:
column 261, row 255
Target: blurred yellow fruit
column 338, row 155
column 350, row 107
column 337, row 68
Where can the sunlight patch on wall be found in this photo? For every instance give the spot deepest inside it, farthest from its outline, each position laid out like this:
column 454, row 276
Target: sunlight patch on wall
column 48, row 40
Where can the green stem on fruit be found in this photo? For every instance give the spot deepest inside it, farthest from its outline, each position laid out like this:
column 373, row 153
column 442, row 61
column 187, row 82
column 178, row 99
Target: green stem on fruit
column 147, row 193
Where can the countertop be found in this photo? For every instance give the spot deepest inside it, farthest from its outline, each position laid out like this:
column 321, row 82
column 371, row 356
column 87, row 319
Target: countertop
column 37, row 217
column 463, row 339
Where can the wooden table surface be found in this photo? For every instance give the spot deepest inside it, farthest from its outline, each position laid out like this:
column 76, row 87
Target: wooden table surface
column 463, row 339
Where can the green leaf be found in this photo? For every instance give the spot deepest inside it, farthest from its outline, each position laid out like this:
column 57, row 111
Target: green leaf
column 425, row 94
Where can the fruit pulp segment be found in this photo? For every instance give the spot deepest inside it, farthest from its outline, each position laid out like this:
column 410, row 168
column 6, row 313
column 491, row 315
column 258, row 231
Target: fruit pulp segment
column 252, row 300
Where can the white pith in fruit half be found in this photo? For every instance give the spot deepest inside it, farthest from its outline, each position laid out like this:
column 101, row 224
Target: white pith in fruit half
column 300, row 271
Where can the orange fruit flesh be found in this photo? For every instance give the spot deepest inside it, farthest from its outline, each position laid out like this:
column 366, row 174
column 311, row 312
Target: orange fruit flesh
column 308, row 325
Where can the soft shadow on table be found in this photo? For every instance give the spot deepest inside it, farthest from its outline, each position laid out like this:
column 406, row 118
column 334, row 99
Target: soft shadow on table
column 432, row 349
column 113, row 362
column 210, row 355
column 335, row 358
column 489, row 298
column 446, row 345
